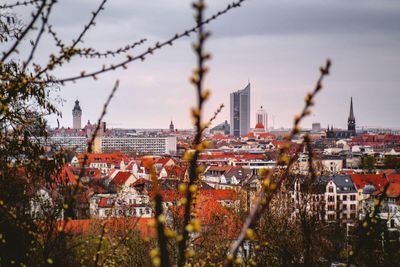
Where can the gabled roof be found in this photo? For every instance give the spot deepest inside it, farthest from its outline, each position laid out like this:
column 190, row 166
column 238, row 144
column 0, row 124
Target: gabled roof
column 164, row 161
column 121, row 177
column 344, row 183
column 175, row 172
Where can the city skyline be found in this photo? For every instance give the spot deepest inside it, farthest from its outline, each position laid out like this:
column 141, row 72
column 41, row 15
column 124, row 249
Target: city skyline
column 280, row 57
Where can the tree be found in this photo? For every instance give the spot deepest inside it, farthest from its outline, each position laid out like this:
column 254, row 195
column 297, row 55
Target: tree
column 26, row 167
column 391, row 162
column 368, row 163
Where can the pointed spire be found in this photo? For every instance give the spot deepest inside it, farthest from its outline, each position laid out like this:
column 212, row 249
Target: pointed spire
column 351, row 115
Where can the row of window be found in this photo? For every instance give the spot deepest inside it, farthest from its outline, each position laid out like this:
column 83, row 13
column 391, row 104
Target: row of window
column 344, row 198
column 129, row 212
column 344, row 207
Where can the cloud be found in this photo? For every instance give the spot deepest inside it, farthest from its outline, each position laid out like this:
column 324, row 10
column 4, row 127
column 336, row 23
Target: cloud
column 278, row 45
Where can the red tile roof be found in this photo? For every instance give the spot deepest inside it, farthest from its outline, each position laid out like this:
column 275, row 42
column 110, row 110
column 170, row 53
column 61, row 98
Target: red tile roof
column 377, row 180
column 121, row 177
column 259, row 126
column 213, row 215
column 220, row 194
column 392, row 191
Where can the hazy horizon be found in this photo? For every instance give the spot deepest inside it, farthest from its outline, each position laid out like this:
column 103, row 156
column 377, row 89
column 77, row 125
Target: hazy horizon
column 277, row 46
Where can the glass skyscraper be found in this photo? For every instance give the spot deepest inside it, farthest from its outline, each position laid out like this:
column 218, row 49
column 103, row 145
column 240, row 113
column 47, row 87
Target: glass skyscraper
column 240, row 112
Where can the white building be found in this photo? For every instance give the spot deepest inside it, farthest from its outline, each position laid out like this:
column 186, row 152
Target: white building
column 161, row 145
column 335, row 197
column 142, row 145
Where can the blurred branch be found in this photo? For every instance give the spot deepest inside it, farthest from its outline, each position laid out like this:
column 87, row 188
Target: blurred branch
column 268, row 187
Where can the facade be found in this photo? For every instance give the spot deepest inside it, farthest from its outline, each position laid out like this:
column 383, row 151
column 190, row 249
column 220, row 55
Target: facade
column 77, row 116
column 77, row 143
column 240, row 112
column 140, row 145
column 316, row 127
column 334, row 196
column 162, row 145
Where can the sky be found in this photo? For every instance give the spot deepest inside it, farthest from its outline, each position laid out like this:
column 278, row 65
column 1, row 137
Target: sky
column 277, row 46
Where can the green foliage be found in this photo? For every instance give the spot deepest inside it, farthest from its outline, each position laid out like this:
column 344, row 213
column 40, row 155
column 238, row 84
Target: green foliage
column 391, row 162
column 368, row 163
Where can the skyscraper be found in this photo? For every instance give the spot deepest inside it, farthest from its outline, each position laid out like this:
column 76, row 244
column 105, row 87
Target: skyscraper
column 77, row 116
column 240, row 112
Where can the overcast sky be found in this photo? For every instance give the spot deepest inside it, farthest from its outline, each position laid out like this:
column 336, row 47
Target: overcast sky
column 276, row 45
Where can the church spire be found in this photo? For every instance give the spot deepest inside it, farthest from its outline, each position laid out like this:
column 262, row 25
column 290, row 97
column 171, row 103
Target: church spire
column 351, row 115
column 351, row 122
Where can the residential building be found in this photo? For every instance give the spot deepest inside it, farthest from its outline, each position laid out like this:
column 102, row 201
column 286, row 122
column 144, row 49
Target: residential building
column 158, row 145
column 335, row 197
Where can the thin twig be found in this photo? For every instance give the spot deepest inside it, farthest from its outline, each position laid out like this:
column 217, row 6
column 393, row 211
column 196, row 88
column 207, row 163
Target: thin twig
column 25, row 32
column 149, row 51
column 268, row 189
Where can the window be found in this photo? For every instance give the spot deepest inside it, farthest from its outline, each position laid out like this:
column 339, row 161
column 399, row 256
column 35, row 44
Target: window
column 330, row 189
column 353, row 207
column 353, row 197
column 344, row 216
column 344, row 197
column 331, row 217
column 331, row 207
column 338, row 198
column 352, row 216
column 344, row 207
column 331, row 199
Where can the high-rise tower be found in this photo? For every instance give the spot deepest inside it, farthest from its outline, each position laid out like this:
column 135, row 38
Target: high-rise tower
column 351, row 122
column 171, row 127
column 240, row 112
column 77, row 116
